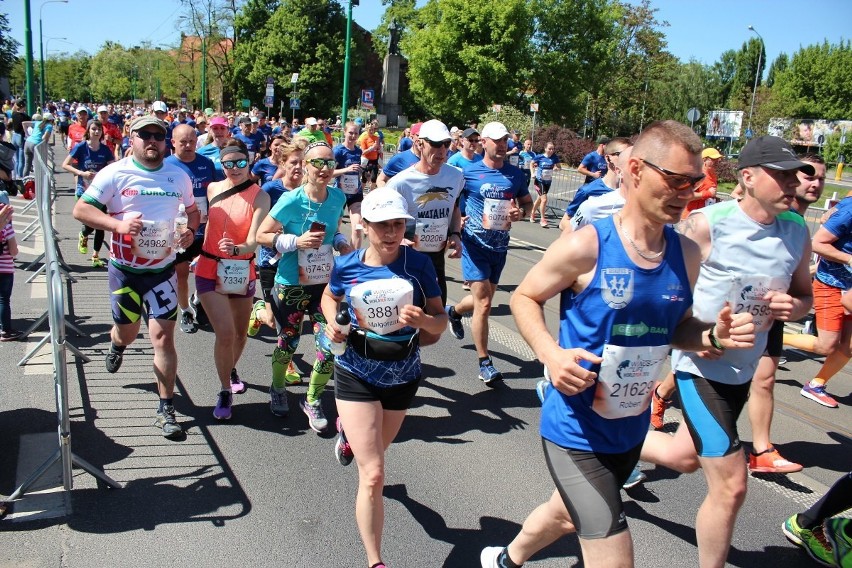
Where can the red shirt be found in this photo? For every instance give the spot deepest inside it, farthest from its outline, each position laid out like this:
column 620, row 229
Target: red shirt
column 76, row 134
column 706, row 189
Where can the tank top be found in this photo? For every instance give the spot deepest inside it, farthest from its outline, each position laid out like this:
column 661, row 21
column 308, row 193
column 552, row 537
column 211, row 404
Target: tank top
column 232, row 215
column 747, row 259
column 627, row 315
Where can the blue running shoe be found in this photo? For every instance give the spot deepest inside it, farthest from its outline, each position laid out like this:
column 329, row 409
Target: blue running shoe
column 636, row 477
column 489, row 375
column 456, row 326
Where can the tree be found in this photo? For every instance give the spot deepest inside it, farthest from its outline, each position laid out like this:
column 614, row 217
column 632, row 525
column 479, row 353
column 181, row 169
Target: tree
column 681, row 86
column 780, row 64
column 403, row 13
column 8, row 47
column 746, row 70
column 465, row 55
column 68, row 77
column 816, row 83
column 113, row 73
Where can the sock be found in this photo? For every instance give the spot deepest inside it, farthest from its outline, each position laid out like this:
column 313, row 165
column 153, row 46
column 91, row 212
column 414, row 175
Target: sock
column 320, row 375
column 453, row 313
column 280, row 359
column 117, row 348
column 165, row 402
column 483, row 360
column 817, row 383
column 503, row 561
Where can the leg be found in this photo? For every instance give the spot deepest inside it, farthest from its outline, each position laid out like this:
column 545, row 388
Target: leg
column 6, row 282
column 674, row 452
column 666, row 389
column 726, row 491
column 545, row 525
column 761, row 402
column 543, row 199
column 482, row 292
column 162, row 334
column 219, row 311
column 182, row 273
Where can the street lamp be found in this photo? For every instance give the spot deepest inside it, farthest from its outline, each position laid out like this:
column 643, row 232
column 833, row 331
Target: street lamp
column 41, row 42
column 756, row 73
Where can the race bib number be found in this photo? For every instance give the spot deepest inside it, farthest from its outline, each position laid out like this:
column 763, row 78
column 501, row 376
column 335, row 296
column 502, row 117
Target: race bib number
column 495, row 214
column 546, row 175
column 232, row 276
column 377, row 303
column 350, row 183
column 154, row 241
column 747, row 294
column 513, row 159
column 626, row 379
column 431, row 234
column 315, row 265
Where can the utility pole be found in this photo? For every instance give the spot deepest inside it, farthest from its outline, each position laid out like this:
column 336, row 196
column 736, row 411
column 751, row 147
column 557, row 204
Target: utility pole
column 28, row 50
column 344, row 107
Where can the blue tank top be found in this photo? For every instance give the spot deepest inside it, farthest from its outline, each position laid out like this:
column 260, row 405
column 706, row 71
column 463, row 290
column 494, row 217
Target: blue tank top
column 627, row 315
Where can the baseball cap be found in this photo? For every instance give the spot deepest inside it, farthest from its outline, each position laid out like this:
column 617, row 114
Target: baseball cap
column 149, row 120
column 711, row 153
column 48, row 116
column 244, row 120
column 254, row 119
column 81, row 109
column 383, row 204
column 494, row 130
column 310, row 121
column 415, row 128
column 603, row 140
column 209, row 111
column 4, row 197
column 219, row 121
column 103, row 108
column 434, row 130
column 468, row 132
column 182, row 110
column 773, row 153
column 159, row 106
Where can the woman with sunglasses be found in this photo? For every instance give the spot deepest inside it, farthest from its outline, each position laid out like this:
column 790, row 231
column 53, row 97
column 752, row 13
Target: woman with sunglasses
column 85, row 160
column 395, row 306
column 225, row 275
column 302, row 227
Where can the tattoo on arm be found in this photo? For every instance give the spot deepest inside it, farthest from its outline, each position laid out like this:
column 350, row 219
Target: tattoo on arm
column 686, row 227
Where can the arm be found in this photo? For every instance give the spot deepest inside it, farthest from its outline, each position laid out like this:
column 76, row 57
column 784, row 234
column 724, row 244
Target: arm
column 329, row 304
column 430, row 320
column 383, row 179
column 454, row 238
column 823, row 245
column 261, row 208
column 797, row 302
column 523, row 208
column 94, row 217
column 585, row 171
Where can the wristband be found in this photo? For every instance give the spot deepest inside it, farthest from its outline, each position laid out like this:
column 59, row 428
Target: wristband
column 456, row 233
column 339, row 240
column 713, row 340
column 285, row 243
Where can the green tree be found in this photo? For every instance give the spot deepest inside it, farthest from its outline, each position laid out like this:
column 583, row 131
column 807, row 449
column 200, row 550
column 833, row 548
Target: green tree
column 681, row 86
column 745, row 71
column 67, row 77
column 403, row 13
column 780, row 64
column 466, row 54
column 8, row 47
column 113, row 73
column 817, row 82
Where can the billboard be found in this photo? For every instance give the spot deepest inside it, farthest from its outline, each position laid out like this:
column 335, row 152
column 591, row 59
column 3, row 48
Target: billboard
column 724, row 123
column 807, row 131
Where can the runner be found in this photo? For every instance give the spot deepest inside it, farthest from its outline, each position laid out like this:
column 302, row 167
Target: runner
column 219, row 135
column 347, row 177
column 611, row 202
column 303, row 228
column 137, row 199
column 377, row 376
column 494, row 192
column 264, row 169
column 600, row 186
column 594, row 165
column 225, row 276
column 544, row 165
column 371, row 146
column 705, row 194
column 613, row 278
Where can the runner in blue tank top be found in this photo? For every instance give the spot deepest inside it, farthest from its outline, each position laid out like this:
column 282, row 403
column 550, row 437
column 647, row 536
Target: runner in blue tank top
column 626, row 293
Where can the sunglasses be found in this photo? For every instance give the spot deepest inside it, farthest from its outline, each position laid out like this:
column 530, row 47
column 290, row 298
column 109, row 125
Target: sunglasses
column 147, row 135
column 473, row 140
column 675, row 180
column 443, row 143
column 231, row 164
column 318, row 163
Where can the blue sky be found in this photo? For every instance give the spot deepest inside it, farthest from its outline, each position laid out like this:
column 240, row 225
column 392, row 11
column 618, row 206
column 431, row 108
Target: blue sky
column 699, row 29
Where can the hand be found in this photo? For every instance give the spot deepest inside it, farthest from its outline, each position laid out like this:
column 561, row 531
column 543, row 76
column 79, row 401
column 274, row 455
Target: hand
column 734, row 331
column 354, row 168
column 455, row 246
column 780, row 304
column 463, row 221
column 226, row 244
column 5, row 214
column 566, row 374
column 515, row 213
column 332, row 331
column 88, row 175
column 129, row 226
column 345, row 249
column 185, row 238
column 412, row 316
column 711, row 354
column 310, row 240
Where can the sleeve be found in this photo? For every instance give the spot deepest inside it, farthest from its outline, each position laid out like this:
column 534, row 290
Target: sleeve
column 587, row 161
column 186, row 189
column 578, row 200
column 840, row 224
column 519, row 180
column 257, row 168
column 429, row 279
column 335, row 282
column 77, row 152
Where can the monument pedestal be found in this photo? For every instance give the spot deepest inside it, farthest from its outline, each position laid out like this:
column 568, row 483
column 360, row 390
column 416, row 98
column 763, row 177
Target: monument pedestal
column 389, row 105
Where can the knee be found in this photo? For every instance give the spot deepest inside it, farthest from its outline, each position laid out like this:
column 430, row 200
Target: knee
column 687, row 464
column 731, row 493
column 371, row 477
column 763, row 383
column 483, row 304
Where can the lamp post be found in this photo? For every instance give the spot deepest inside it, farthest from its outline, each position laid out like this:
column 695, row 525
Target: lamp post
column 41, row 42
column 345, row 106
column 756, row 74
column 43, row 71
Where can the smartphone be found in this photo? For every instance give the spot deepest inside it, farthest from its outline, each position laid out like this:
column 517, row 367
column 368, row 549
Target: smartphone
column 317, row 226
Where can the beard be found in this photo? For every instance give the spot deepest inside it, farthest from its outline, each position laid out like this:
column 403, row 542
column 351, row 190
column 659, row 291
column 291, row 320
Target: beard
column 150, row 156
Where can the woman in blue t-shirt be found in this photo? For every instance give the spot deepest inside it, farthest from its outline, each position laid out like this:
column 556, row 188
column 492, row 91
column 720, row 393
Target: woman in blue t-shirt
column 88, row 158
column 41, row 131
column 394, row 304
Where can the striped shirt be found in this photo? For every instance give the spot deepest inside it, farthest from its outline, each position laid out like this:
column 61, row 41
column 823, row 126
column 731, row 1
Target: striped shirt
column 7, row 263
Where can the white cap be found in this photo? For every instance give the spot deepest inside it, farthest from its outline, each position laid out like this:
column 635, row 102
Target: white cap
column 48, row 116
column 255, row 120
column 138, row 112
column 81, row 109
column 182, row 110
column 494, row 131
column 103, row 108
column 383, row 204
column 159, row 106
column 454, row 129
column 435, row 130
column 310, row 121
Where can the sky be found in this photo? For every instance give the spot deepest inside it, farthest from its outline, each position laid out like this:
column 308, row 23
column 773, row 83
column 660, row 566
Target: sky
column 699, row 29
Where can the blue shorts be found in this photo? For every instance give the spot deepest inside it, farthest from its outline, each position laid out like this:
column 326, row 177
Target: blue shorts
column 480, row 263
column 711, row 410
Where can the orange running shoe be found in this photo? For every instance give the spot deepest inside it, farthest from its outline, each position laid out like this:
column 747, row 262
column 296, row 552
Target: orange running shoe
column 658, row 409
column 770, row 461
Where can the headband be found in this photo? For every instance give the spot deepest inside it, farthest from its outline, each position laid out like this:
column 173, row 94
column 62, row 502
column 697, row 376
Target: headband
column 231, row 150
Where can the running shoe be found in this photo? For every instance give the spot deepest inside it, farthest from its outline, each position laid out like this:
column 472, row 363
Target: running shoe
column 237, row 386
column 489, row 375
column 167, row 422
column 187, row 322
column 813, row 541
column 97, row 262
column 532, row 218
column 818, row 395
column 223, row 405
column 636, row 477
column 255, row 323
column 316, row 417
column 541, row 389
column 489, row 555
column 113, row 361
column 770, row 461
column 10, row 335
column 456, row 326
column 278, row 402
column 837, row 532
column 292, row 376
column 544, row 223
column 658, row 409
column 342, row 451
column 83, row 244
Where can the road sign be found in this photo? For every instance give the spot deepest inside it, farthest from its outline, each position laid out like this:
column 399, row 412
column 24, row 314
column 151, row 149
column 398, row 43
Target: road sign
column 534, row 107
column 270, row 80
column 246, row 103
column 496, row 108
column 368, row 97
column 268, row 101
column 270, row 90
column 295, row 103
column 295, row 78
column 693, row 114
column 749, row 133
column 183, row 98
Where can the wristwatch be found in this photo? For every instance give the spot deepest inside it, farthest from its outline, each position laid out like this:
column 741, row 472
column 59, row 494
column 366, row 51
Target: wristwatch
column 236, row 251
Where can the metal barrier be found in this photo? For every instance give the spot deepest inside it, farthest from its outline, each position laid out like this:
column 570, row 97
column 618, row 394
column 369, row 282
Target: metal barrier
column 56, row 316
column 564, row 186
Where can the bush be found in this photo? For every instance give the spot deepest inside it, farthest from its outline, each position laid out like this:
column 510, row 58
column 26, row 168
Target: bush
column 569, row 146
column 726, row 171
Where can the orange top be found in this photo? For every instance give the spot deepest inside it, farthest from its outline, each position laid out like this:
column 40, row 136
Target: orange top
column 366, row 141
column 233, row 216
column 708, row 183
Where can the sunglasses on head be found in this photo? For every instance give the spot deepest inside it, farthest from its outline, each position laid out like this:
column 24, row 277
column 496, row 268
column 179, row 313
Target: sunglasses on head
column 318, row 163
column 444, row 143
column 675, row 180
column 231, row 164
column 147, row 135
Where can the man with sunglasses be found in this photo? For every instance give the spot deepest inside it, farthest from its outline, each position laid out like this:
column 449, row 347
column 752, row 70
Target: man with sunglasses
column 137, row 199
column 470, row 143
column 774, row 285
column 432, row 188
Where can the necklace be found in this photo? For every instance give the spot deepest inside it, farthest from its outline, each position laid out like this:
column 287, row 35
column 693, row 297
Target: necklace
column 646, row 256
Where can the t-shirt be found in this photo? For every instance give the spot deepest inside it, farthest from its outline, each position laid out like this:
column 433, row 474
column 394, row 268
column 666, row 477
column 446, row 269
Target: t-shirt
column 594, row 187
column 708, row 183
column 399, row 162
column 39, row 134
column 251, row 142
column 526, row 158
column 76, row 134
column 837, row 274
column 295, row 211
column 546, row 165
column 594, row 162
column 201, row 172
column 349, row 183
column 7, row 263
column 89, row 160
column 349, row 271
column 458, row 160
column 597, row 207
column 211, row 151
column 366, row 142
column 126, row 189
column 315, row 136
column 488, row 195
column 264, row 169
column 275, row 189
column 405, row 143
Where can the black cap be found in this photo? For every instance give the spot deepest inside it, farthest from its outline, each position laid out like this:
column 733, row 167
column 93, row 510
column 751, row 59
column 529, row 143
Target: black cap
column 603, row 140
column 774, row 153
column 468, row 132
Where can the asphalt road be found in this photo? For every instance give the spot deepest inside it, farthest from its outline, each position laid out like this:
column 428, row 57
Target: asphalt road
column 464, row 472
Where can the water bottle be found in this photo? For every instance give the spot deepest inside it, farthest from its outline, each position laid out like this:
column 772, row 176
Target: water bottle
column 343, row 322
column 180, row 225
